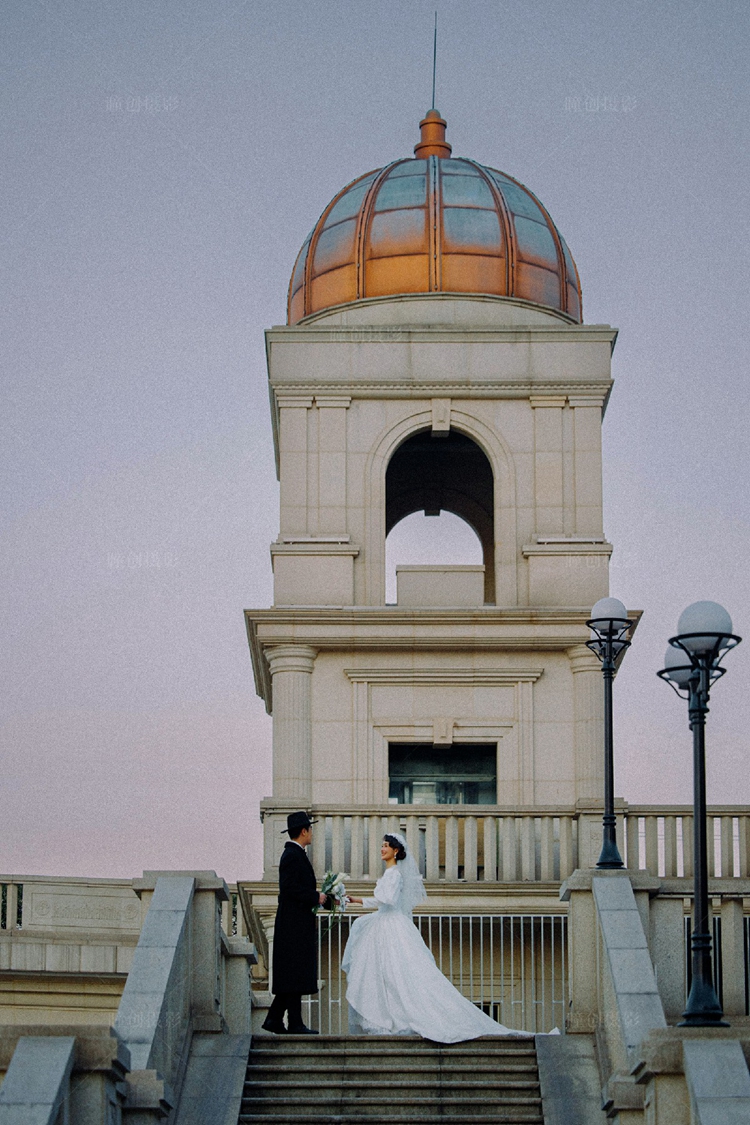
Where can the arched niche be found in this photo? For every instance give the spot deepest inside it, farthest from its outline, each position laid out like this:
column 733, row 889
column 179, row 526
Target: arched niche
column 449, row 473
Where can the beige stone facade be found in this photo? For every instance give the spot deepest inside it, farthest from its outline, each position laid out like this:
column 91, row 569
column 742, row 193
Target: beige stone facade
column 468, row 655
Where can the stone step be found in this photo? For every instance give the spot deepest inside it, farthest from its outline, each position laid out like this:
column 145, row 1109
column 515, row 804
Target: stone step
column 444, row 1082
column 398, row 1043
column 366, row 1103
column 308, row 1047
column 337, row 1071
column 389, row 1117
column 324, row 1080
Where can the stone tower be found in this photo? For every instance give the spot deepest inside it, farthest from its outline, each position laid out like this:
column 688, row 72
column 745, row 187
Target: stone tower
column 435, row 359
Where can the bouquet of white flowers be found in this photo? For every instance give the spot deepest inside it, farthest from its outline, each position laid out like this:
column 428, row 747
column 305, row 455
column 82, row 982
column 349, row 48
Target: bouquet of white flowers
column 334, row 888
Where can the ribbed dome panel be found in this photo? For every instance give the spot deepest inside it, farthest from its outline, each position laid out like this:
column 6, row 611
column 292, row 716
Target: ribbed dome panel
column 434, row 225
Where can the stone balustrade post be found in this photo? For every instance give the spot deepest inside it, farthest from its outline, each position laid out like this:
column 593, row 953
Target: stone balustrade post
column 239, row 956
column 291, row 671
column 666, row 939
column 210, row 892
column 733, row 957
column 583, row 1014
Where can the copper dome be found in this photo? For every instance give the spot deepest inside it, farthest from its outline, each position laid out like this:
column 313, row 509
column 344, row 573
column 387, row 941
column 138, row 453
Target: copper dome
column 434, row 224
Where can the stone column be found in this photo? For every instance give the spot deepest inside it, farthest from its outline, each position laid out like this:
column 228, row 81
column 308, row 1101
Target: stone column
column 588, row 720
column 291, row 671
column 588, row 751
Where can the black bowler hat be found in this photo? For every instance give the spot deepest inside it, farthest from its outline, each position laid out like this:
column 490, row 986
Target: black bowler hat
column 296, row 821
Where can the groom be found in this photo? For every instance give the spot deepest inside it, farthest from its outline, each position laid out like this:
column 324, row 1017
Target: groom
column 295, row 946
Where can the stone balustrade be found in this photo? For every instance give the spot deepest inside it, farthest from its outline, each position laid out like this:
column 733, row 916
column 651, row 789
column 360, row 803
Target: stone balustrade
column 488, row 844
column 660, row 840
column 80, row 935
column 182, row 1027
column 59, row 903
column 468, row 843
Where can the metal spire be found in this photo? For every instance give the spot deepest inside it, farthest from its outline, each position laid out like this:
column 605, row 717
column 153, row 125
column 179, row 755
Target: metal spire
column 434, row 61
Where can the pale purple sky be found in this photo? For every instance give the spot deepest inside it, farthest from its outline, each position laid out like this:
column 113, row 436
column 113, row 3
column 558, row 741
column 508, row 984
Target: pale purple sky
column 163, row 164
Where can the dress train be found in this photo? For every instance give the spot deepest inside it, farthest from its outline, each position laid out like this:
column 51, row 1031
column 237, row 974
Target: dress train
column 394, row 986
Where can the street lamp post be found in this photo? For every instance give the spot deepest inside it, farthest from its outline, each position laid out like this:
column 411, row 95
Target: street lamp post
column 692, row 664
column 609, row 625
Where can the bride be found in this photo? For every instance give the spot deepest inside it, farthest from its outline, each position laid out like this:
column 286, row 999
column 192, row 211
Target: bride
column 394, row 986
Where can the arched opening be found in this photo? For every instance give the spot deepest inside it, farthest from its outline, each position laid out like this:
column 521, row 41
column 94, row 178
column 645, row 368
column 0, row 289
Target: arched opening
column 445, row 473
column 419, row 539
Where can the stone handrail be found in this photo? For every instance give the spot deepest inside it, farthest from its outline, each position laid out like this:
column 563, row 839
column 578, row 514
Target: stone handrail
column 187, row 978
column 628, row 995
column 74, row 1068
column 153, row 1020
column 37, row 1083
column 648, row 1070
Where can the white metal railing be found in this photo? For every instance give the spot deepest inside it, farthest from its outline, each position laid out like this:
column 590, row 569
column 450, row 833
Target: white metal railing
column 512, row 966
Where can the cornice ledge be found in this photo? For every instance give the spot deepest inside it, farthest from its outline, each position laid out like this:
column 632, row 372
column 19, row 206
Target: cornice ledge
column 401, row 333
column 571, row 546
column 417, row 615
column 314, row 547
column 520, row 387
column 479, row 676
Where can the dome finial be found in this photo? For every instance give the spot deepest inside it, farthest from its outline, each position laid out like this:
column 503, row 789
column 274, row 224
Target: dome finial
column 432, row 125
column 432, row 142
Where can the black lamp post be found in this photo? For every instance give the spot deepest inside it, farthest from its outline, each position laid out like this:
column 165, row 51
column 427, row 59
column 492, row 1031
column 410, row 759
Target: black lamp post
column 609, row 625
column 691, row 666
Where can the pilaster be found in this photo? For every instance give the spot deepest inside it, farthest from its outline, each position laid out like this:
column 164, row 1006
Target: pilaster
column 587, row 459
column 548, row 463
column 293, row 473
column 332, row 463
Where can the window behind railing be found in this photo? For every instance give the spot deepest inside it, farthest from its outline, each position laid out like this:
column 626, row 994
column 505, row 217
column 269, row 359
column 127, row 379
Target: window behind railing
column 442, row 775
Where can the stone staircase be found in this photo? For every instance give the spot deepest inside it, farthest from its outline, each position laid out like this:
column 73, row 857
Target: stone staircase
column 389, row 1080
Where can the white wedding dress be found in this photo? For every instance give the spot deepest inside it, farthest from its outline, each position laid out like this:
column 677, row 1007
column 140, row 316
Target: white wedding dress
column 394, row 986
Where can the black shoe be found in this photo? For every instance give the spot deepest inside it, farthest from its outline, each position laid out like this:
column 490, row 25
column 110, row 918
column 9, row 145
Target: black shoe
column 300, row 1029
column 275, row 1026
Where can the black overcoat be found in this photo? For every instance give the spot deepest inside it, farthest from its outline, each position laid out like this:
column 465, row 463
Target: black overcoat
column 295, row 940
